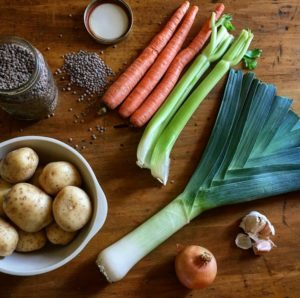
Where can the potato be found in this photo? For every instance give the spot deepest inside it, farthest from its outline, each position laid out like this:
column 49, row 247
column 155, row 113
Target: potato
column 4, row 189
column 35, row 178
column 56, row 175
column 28, row 207
column 19, row 165
column 57, row 235
column 8, row 238
column 72, row 208
column 31, row 241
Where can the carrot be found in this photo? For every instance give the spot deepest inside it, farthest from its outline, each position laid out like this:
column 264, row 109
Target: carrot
column 120, row 89
column 144, row 113
column 159, row 67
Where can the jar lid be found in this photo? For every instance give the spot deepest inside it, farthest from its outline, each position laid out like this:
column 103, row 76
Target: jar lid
column 108, row 21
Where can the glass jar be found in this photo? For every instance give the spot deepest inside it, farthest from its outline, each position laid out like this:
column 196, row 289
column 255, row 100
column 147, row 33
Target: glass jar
column 35, row 98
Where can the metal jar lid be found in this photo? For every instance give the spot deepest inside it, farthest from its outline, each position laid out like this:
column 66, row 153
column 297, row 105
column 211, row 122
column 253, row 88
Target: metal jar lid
column 96, row 3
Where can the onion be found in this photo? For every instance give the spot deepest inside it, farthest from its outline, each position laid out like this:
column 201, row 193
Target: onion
column 196, row 267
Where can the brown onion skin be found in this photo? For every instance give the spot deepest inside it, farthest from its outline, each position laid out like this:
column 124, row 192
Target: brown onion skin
column 192, row 271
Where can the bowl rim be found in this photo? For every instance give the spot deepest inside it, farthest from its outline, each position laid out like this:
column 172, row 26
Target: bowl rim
column 99, row 219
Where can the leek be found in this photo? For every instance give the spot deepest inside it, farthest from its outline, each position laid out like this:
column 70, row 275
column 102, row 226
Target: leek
column 243, row 161
column 160, row 158
column 219, row 43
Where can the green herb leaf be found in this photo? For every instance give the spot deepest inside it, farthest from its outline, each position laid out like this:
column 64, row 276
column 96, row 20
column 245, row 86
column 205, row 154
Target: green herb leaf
column 227, row 22
column 250, row 57
column 253, row 54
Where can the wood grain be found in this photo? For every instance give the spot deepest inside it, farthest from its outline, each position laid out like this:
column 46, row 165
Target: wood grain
column 132, row 194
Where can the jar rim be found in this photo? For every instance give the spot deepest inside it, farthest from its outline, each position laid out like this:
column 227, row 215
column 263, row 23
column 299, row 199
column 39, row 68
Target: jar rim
column 12, row 39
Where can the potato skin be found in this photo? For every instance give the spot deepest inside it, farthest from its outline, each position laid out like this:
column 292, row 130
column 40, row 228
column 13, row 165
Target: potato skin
column 57, row 235
column 28, row 207
column 19, row 165
column 72, row 208
column 35, row 178
column 8, row 238
column 31, row 241
column 56, row 175
column 4, row 189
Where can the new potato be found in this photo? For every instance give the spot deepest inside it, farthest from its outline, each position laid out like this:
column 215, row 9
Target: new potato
column 31, row 241
column 19, row 165
column 4, row 189
column 57, row 235
column 72, row 208
column 8, row 238
column 28, row 207
column 56, row 175
column 36, row 176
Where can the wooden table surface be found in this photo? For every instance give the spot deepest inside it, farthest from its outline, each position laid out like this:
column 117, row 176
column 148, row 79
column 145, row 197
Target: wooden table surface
column 132, row 194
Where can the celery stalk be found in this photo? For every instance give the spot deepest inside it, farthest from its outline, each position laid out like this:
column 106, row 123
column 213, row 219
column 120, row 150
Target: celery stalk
column 160, row 160
column 220, row 41
column 267, row 168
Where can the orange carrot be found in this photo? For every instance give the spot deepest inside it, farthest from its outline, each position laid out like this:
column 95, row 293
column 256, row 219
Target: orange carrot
column 120, row 89
column 159, row 67
column 144, row 113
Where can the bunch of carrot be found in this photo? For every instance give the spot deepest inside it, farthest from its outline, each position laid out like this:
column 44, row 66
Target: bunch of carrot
column 147, row 82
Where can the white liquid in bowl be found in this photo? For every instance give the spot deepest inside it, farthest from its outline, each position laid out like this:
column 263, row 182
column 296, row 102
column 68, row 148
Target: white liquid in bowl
column 108, row 21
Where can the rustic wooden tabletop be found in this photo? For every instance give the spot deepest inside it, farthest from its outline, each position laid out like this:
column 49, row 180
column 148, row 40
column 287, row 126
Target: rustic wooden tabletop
column 132, row 194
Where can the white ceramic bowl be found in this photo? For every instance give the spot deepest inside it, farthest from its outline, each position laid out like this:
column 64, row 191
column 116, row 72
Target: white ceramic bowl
column 52, row 257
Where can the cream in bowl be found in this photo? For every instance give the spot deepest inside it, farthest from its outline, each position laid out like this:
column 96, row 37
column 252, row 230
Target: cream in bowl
column 108, row 21
column 52, row 256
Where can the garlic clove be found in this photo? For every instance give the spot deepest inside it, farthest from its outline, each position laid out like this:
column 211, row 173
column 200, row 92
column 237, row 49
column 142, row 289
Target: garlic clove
column 262, row 246
column 255, row 223
column 243, row 241
column 268, row 230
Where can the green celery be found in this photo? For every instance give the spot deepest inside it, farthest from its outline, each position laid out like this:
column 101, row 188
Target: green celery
column 160, row 159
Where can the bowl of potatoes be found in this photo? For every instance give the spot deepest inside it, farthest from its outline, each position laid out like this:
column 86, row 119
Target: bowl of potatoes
column 51, row 205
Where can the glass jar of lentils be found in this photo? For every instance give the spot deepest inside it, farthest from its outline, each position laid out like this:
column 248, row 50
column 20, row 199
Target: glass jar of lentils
column 27, row 87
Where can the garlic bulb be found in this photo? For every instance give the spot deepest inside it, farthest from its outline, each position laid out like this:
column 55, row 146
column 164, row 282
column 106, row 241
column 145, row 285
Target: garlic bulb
column 257, row 223
column 258, row 230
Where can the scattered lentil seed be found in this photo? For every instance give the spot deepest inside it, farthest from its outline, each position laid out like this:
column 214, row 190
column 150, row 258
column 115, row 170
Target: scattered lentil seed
column 70, row 15
column 90, row 129
column 70, row 110
column 102, row 111
column 82, row 121
column 60, row 35
column 70, row 139
column 94, row 137
column 48, row 116
column 76, row 146
column 87, row 70
column 102, row 52
column 75, row 121
column 63, row 89
column 172, row 181
column 114, row 46
column 48, row 49
column 69, row 89
column 74, row 92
